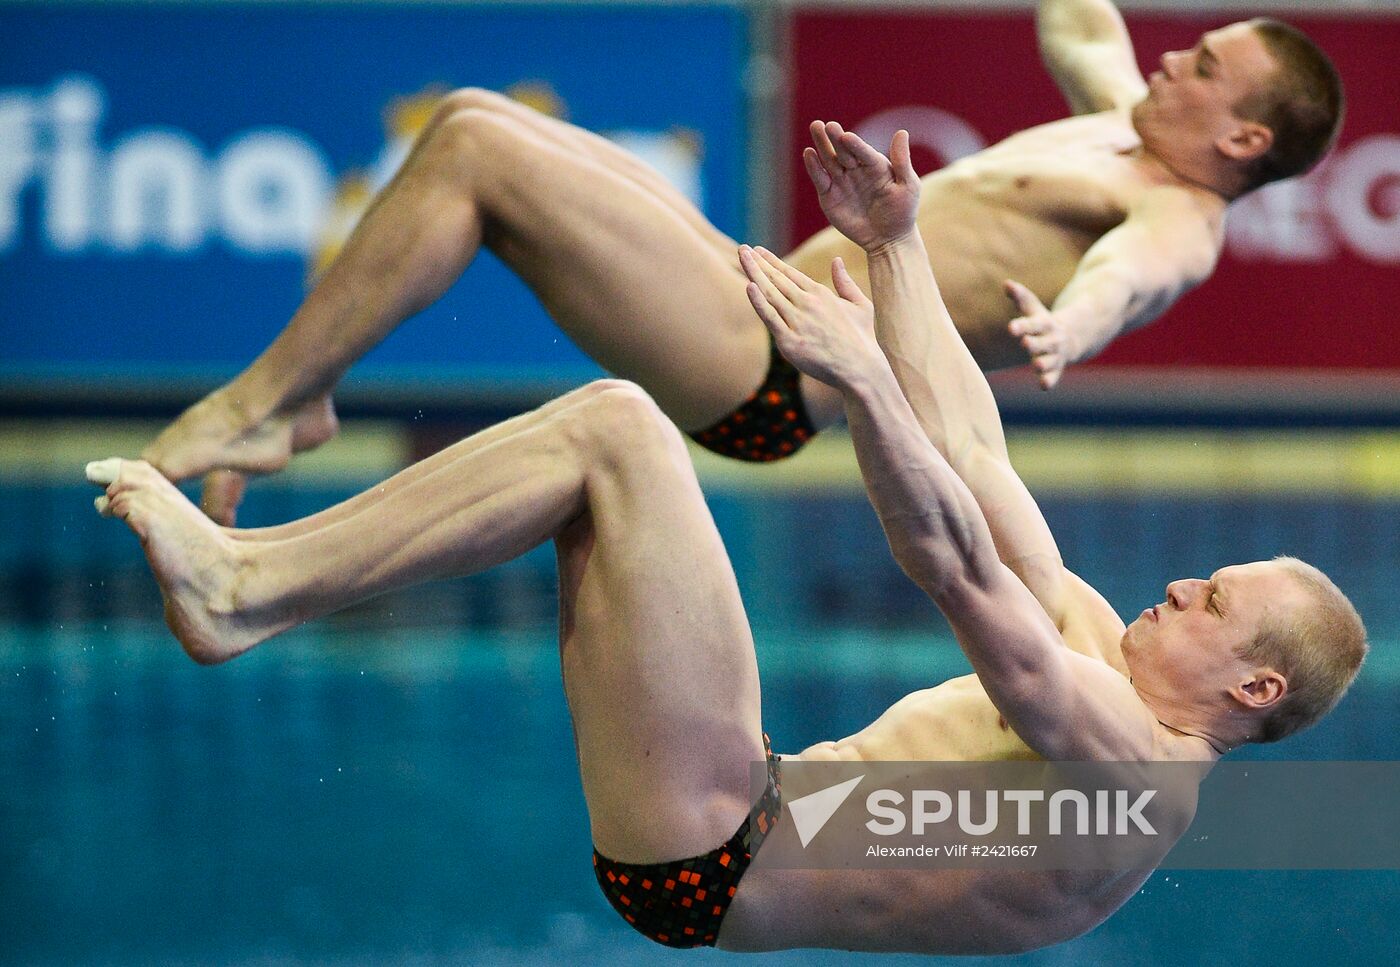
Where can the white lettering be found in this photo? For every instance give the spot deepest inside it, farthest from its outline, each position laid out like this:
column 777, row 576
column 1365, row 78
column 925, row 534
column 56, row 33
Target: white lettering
column 267, row 192
column 1350, row 202
column 157, row 192
column 894, row 819
column 75, row 108
column 946, row 135
column 1370, row 164
column 922, row 817
column 1283, row 221
column 1134, row 812
column 274, row 191
column 1081, row 815
column 18, row 160
column 1023, row 799
column 965, row 822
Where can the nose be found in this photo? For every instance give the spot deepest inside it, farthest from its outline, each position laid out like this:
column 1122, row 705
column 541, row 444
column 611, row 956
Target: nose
column 1182, row 594
column 1169, row 61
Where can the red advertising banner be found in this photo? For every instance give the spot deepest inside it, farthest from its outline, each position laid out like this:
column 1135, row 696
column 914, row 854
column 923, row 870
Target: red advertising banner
column 1310, row 275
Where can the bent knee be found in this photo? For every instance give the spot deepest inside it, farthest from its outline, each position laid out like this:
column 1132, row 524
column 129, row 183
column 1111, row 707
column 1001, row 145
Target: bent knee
column 479, row 98
column 621, row 422
column 468, row 128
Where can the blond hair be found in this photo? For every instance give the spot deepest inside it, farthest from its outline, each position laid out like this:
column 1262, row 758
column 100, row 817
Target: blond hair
column 1318, row 648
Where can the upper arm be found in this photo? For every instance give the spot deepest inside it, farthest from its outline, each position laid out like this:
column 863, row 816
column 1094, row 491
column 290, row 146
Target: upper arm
column 1165, row 246
column 1086, row 49
column 1064, row 705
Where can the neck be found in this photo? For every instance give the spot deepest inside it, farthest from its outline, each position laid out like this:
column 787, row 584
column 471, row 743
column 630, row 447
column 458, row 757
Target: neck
column 1203, row 174
column 1195, row 176
column 1219, row 746
column 1193, row 722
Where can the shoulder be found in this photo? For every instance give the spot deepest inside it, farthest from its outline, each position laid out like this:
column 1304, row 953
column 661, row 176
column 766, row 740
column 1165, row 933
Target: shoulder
column 1186, row 223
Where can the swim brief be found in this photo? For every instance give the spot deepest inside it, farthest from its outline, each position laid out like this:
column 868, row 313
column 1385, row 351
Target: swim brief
column 771, row 424
column 683, row 902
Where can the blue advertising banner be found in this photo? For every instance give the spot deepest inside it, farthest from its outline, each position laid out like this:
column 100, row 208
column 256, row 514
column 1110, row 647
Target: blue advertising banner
column 171, row 174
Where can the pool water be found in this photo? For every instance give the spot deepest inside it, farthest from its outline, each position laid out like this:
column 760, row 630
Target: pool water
column 397, row 784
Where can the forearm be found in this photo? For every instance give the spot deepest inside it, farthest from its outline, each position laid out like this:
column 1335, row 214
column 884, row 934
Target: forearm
column 932, row 521
column 1064, row 24
column 955, row 408
column 1102, row 301
column 1085, row 47
column 938, row 376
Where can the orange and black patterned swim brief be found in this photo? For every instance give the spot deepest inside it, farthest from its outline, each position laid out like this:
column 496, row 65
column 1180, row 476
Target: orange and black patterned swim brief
column 771, row 424
column 683, row 902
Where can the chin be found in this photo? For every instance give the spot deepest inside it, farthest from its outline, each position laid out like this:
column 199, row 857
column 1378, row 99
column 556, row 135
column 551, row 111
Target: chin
column 1141, row 115
column 1126, row 643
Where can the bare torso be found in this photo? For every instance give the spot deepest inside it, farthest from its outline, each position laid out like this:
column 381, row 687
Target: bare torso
column 1027, row 208
column 944, row 911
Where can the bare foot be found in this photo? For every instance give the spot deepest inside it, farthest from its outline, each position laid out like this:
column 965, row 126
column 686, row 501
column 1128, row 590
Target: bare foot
column 223, row 432
column 202, row 573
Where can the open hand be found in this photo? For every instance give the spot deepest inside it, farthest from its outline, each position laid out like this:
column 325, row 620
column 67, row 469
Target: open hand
column 827, row 335
column 871, row 199
column 1042, row 336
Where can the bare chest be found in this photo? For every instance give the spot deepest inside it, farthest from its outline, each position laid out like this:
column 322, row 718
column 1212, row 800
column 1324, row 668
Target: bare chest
column 952, row 722
column 1077, row 175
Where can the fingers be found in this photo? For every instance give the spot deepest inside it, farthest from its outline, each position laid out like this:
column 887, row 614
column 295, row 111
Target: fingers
column 819, row 175
column 767, row 314
column 846, row 287
column 825, row 150
column 1040, row 345
column 1049, row 369
column 763, row 280
column 789, row 282
column 103, row 472
column 844, row 154
column 1036, row 325
column 860, row 150
column 1024, row 298
column 794, row 276
column 223, row 492
column 900, row 158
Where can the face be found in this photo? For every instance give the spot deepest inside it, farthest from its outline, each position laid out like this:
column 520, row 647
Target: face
column 1188, row 645
column 1197, row 90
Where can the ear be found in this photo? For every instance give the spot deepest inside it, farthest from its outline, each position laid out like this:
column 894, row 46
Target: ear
column 1262, row 689
column 1246, row 141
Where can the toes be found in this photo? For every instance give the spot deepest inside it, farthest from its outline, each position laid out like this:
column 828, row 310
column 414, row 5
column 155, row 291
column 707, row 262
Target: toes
column 104, row 472
column 140, row 471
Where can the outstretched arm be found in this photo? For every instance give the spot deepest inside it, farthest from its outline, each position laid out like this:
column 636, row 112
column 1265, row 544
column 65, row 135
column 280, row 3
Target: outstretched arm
column 1130, row 276
column 1086, row 49
column 1062, row 704
column 873, row 201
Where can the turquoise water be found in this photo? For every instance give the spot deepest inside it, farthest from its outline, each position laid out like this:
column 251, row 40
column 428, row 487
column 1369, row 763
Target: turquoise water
column 397, row 784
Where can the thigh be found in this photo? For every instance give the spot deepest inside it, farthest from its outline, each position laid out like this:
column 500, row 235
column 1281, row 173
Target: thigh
column 596, row 148
column 623, row 274
column 658, row 661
